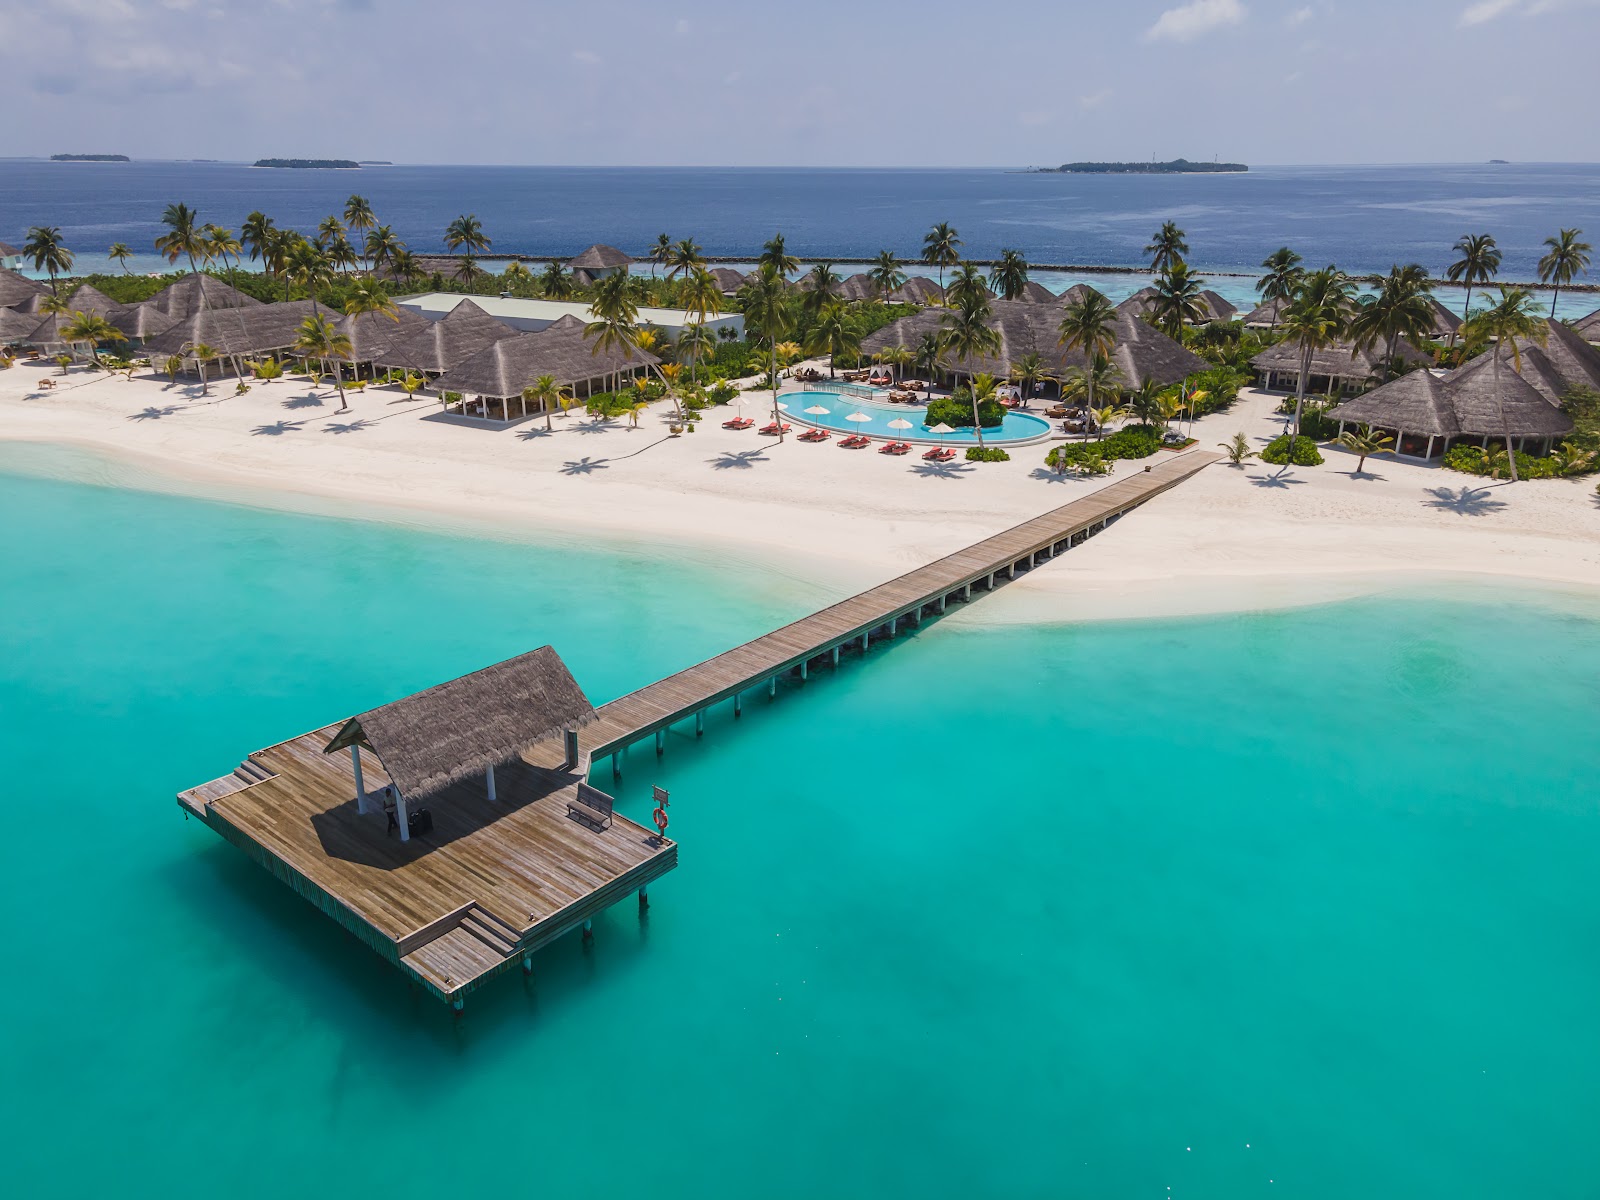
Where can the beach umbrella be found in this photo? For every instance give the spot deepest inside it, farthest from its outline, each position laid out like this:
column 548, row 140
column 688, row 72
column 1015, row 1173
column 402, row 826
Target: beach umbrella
column 858, row 417
column 901, row 423
column 816, row 410
column 940, row 428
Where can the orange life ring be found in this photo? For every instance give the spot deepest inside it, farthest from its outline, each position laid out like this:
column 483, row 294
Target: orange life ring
column 660, row 818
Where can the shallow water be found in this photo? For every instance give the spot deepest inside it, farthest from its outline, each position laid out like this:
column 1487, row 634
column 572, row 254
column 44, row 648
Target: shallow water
column 1294, row 903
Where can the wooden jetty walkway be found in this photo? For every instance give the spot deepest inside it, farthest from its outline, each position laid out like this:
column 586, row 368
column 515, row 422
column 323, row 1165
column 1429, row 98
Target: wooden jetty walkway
column 517, row 848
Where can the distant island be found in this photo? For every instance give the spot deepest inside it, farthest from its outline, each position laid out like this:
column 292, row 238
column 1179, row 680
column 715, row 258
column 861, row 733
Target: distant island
column 1178, row 166
column 376, row 162
column 90, row 158
column 342, row 164
column 1499, row 162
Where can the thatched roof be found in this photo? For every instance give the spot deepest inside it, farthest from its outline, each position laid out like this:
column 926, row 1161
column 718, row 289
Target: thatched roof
column 459, row 729
column 728, row 280
column 1036, row 293
column 1214, row 306
column 15, row 326
column 48, row 332
column 500, row 371
column 1264, row 316
column 918, row 289
column 16, row 288
column 599, row 257
column 7, row 250
column 90, row 299
column 1478, row 392
column 371, row 334
column 261, row 329
column 1445, row 322
column 1417, row 402
column 182, row 298
column 1338, row 361
column 142, row 321
column 447, row 343
column 1564, row 362
column 1589, row 327
column 1142, row 351
column 1077, row 294
column 857, row 288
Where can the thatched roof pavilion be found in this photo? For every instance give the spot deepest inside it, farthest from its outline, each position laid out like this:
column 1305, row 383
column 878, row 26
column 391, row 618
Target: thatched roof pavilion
column 16, row 326
column 599, row 260
column 1564, row 362
column 1142, row 351
column 1077, row 294
column 15, row 289
column 1589, row 327
column 1036, row 293
column 437, row 738
column 187, row 296
column 446, row 343
column 728, row 280
column 1335, row 367
column 371, row 334
column 90, row 299
column 857, row 288
column 1445, row 322
column 500, row 371
column 1265, row 316
column 49, row 332
column 140, row 322
column 1143, row 302
column 918, row 289
column 256, row 330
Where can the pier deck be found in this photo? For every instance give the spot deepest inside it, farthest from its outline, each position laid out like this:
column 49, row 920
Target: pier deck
column 497, row 879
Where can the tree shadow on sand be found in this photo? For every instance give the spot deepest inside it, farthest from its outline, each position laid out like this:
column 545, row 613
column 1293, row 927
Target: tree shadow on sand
column 277, row 428
column 535, row 433
column 155, row 414
column 355, row 426
column 1047, row 475
column 1465, row 501
column 1278, row 479
column 741, row 460
column 584, row 466
column 310, row 400
column 939, row 470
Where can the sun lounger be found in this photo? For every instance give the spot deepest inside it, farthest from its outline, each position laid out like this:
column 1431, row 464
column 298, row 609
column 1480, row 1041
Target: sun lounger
column 815, row 435
column 739, row 423
column 895, row 448
column 940, row 454
column 773, row 429
column 855, row 442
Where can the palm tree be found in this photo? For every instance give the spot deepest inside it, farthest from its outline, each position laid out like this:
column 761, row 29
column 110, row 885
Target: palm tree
column 1178, row 300
column 119, row 253
column 48, row 252
column 466, row 234
column 940, row 249
column 886, row 275
column 404, row 264
column 1398, row 309
column 834, row 334
column 93, row 329
column 183, row 236
column 202, row 355
column 898, row 356
column 1479, row 263
column 967, row 286
column 358, row 215
column 368, row 296
column 660, row 253
column 275, row 252
column 1028, row 371
column 685, row 257
column 1317, row 317
column 1010, row 275
column 695, row 342
column 1098, row 376
column 822, row 280
column 319, row 338
column 768, row 313
column 329, row 229
column 556, row 281
column 775, row 256
column 615, row 316
column 1278, row 284
column 1167, row 249
column 1363, row 443
column 381, row 246
column 701, row 298
column 1507, row 324
column 257, row 235
column 307, row 266
column 926, row 355
column 220, row 243
column 54, row 304
column 1090, row 327
column 1568, row 258
column 1238, row 450
column 546, row 391
column 966, row 336
column 342, row 254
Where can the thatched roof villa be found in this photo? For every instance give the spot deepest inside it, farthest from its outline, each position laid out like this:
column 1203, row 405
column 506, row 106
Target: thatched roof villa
column 918, row 289
column 141, row 322
column 728, row 280
column 579, row 364
column 1564, row 362
column 528, row 316
column 1036, row 293
column 1265, row 316
column 253, row 331
column 15, row 326
column 87, row 298
column 1340, row 367
column 1143, row 302
column 187, row 296
column 15, row 289
column 1588, row 328
column 598, row 261
column 371, row 334
column 445, row 343
column 1142, row 351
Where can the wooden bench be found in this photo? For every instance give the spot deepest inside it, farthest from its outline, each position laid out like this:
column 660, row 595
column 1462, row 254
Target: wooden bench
column 592, row 807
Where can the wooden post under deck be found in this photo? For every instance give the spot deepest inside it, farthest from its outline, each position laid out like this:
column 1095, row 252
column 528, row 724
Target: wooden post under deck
column 361, row 788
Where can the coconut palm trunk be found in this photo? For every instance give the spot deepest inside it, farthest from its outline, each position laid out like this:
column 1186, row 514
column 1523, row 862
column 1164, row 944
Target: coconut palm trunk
column 1499, row 395
column 977, row 420
column 1300, row 385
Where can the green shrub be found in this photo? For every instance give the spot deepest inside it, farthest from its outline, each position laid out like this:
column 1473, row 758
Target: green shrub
column 986, row 454
column 1136, row 441
column 722, row 393
column 956, row 411
column 1475, row 460
column 1304, row 454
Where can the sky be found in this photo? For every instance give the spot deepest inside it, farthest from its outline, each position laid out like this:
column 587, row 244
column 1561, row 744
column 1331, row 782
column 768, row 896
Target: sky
column 824, row 83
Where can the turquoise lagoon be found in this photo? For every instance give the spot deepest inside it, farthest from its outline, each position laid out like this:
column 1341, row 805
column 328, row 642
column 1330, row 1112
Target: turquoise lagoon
column 1297, row 903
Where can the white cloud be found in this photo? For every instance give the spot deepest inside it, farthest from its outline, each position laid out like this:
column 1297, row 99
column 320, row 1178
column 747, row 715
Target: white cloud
column 1094, row 99
column 1298, row 17
column 1198, row 17
column 587, row 57
column 1487, row 10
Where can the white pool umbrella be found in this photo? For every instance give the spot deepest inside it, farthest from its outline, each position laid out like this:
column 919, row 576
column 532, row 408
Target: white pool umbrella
column 941, row 427
column 816, row 410
column 858, row 416
column 901, row 423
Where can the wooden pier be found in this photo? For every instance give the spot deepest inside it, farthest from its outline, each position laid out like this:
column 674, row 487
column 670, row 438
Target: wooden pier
column 511, row 863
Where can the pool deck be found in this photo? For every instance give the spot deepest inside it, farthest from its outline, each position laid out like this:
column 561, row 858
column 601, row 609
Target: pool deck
column 961, row 437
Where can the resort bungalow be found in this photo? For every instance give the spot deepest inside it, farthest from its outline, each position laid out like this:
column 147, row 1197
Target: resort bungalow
column 500, row 372
column 1589, row 327
column 371, row 334
column 728, row 280
column 1266, row 316
column 459, row 333
column 90, row 299
column 1142, row 352
column 10, row 257
column 918, row 289
column 141, row 322
column 598, row 261
column 1036, row 293
column 1077, row 294
column 196, row 291
column 1563, row 362
column 1337, row 368
column 17, row 290
column 530, row 316
column 16, row 326
column 1427, row 414
column 236, row 334
column 1143, row 302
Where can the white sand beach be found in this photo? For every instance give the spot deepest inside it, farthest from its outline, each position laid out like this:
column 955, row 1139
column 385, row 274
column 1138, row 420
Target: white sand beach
column 1230, row 539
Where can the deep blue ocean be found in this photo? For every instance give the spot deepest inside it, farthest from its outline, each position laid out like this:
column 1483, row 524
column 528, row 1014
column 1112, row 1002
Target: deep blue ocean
column 1363, row 218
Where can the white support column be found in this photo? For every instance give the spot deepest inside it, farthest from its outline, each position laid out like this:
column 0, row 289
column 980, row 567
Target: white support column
column 805, row 670
column 661, row 742
column 361, row 787
column 836, row 656
column 401, row 816
column 866, row 640
column 772, row 687
column 488, row 781
column 700, row 722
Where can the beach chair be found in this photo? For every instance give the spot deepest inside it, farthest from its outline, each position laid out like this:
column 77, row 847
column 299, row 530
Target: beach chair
column 815, row 435
column 773, row 429
column 856, row 442
column 895, row 448
column 739, row 423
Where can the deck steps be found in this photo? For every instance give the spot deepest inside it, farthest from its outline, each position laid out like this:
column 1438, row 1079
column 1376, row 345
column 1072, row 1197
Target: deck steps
column 250, row 771
column 490, row 930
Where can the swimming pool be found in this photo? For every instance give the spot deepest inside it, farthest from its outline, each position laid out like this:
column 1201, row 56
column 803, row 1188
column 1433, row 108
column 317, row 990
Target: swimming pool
column 1017, row 427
